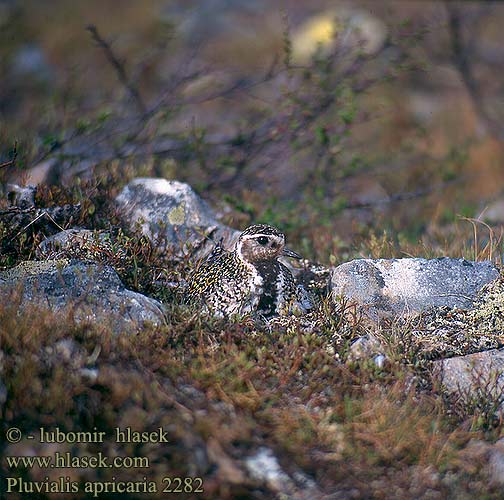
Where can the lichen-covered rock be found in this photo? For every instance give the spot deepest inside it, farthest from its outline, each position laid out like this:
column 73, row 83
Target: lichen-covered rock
column 477, row 375
column 172, row 215
column 445, row 331
column 91, row 291
column 402, row 287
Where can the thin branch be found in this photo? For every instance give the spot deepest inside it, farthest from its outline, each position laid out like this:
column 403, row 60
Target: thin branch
column 12, row 161
column 119, row 67
column 39, row 216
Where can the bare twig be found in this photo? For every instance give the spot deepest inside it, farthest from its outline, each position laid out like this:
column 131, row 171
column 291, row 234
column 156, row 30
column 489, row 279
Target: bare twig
column 12, row 161
column 119, row 67
column 39, row 216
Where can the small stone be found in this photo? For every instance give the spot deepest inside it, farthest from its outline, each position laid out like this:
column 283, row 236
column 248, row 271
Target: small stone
column 379, row 360
column 90, row 374
column 21, row 197
column 264, row 467
column 365, row 347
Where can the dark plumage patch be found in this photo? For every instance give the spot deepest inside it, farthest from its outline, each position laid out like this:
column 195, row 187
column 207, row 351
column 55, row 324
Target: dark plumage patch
column 268, row 270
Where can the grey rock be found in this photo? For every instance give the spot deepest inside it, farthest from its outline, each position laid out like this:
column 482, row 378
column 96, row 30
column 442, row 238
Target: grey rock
column 402, row 287
column 41, row 173
column 22, row 212
column 22, row 197
column 478, row 375
column 447, row 332
column 93, row 292
column 172, row 215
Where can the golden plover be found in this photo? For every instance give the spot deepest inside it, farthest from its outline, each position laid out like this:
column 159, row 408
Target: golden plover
column 250, row 278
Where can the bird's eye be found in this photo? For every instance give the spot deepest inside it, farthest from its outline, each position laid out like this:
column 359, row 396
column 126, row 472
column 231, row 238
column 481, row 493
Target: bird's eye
column 262, row 240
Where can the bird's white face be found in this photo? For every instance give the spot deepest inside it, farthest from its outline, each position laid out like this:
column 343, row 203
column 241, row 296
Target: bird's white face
column 260, row 247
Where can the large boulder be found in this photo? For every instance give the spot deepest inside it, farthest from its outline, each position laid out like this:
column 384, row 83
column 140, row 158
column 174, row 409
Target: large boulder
column 172, row 215
column 401, row 287
column 94, row 293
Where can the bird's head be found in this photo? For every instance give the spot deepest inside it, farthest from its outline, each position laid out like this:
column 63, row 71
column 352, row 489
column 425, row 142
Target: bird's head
column 262, row 242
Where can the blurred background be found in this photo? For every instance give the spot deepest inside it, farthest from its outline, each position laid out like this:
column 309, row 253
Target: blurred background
column 334, row 120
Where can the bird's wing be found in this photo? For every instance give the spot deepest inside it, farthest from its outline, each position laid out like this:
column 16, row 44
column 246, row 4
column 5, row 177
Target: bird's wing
column 208, row 273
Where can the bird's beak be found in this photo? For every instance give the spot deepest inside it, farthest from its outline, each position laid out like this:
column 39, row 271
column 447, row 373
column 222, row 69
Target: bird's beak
column 290, row 253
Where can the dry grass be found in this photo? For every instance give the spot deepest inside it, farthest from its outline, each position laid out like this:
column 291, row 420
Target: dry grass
column 208, row 382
